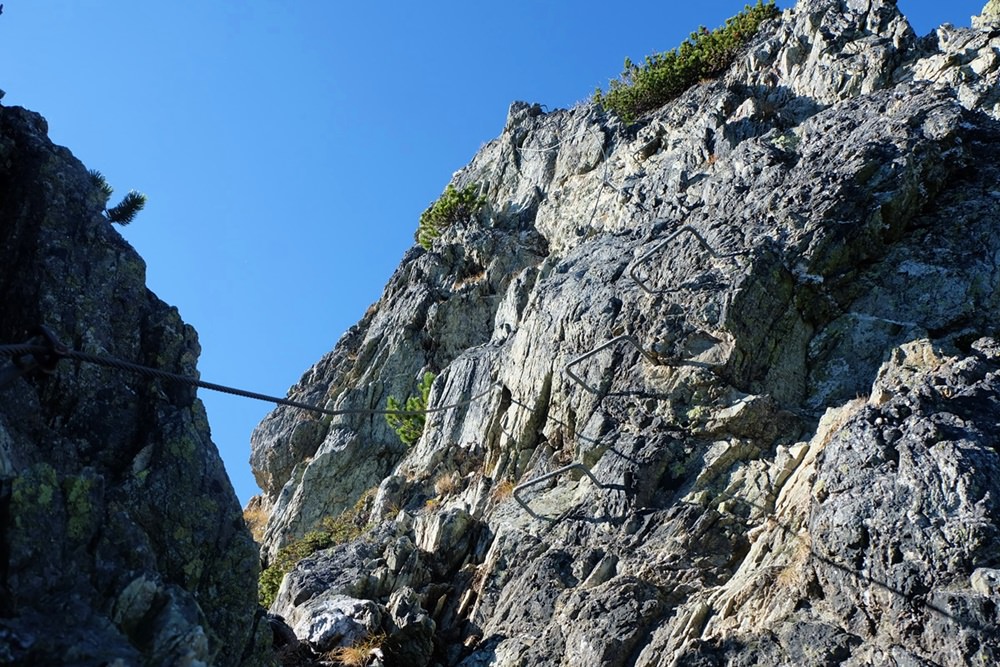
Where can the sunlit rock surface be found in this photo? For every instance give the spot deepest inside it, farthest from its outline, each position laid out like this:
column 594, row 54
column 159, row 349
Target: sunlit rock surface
column 800, row 464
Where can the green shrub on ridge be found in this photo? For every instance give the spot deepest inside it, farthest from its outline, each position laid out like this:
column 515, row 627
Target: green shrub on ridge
column 125, row 211
column 664, row 76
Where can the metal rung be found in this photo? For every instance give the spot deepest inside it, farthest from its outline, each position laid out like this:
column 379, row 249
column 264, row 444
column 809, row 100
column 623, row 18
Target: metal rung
column 686, row 229
column 555, row 473
column 583, row 357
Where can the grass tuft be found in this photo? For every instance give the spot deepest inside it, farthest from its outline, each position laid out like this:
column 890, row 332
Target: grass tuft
column 359, row 655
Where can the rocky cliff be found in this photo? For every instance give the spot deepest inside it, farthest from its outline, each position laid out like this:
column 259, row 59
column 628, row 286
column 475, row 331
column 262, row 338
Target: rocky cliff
column 754, row 335
column 121, row 539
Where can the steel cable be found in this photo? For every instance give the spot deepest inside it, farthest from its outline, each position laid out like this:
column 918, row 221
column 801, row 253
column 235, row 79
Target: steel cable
column 27, row 357
column 22, row 349
column 16, row 351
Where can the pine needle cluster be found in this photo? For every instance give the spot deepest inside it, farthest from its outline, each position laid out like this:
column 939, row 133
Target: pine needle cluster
column 664, row 76
column 102, row 184
column 452, row 206
column 124, row 211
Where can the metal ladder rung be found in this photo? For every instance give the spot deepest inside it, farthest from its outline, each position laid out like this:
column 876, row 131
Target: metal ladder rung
column 686, row 229
column 549, row 475
column 631, row 340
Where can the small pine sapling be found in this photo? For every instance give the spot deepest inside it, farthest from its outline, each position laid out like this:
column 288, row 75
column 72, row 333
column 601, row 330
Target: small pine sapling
column 102, row 184
column 409, row 427
column 126, row 210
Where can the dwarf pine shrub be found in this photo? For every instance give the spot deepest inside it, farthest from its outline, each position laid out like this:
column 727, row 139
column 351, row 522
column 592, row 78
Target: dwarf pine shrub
column 664, row 76
column 102, row 184
column 409, row 428
column 452, row 206
column 287, row 558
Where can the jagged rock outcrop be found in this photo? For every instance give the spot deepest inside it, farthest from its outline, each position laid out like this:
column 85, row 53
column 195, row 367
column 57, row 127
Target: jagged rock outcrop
column 121, row 540
column 789, row 277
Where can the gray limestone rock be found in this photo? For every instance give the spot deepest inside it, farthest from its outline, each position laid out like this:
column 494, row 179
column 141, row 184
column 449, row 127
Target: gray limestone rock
column 763, row 318
column 410, row 632
column 343, row 595
column 989, row 18
column 335, row 620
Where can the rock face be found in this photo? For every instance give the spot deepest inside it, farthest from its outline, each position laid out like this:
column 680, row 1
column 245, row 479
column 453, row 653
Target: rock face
column 763, row 319
column 990, row 17
column 122, row 542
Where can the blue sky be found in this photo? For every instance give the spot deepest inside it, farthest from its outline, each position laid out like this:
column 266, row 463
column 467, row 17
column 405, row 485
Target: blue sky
column 288, row 147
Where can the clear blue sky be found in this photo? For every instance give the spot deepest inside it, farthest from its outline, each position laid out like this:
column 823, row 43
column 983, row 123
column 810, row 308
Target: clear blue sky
column 288, row 146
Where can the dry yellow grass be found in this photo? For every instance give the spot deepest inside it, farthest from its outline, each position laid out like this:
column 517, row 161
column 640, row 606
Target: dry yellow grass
column 796, row 563
column 255, row 518
column 470, row 279
column 358, row 655
column 447, row 484
column 502, row 491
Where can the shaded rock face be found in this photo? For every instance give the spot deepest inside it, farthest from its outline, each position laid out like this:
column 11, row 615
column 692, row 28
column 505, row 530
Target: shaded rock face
column 788, row 281
column 122, row 541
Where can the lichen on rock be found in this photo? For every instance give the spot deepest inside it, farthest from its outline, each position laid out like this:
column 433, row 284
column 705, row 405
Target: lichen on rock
column 123, row 541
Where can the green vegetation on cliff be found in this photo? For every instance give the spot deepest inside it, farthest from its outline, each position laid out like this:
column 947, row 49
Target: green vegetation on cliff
column 452, row 206
column 410, row 427
column 332, row 531
column 124, row 211
column 664, row 76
